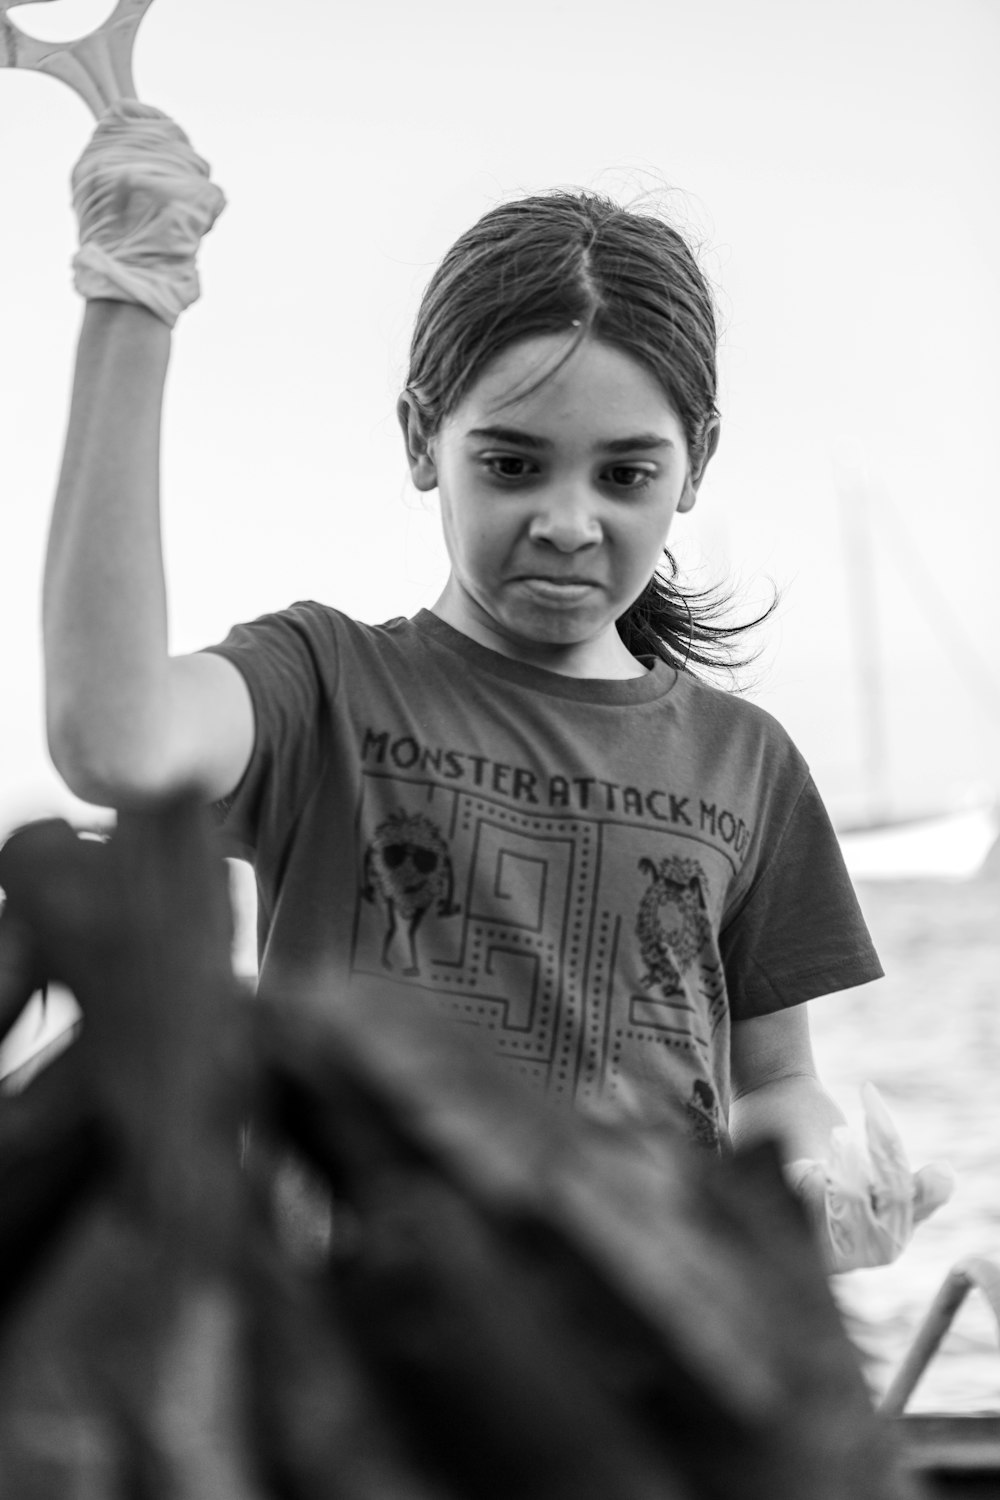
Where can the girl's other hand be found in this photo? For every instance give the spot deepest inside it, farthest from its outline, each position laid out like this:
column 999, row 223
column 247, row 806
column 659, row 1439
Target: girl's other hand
column 864, row 1198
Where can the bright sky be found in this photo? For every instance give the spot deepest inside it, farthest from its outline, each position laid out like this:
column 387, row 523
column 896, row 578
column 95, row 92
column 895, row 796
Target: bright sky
column 838, row 164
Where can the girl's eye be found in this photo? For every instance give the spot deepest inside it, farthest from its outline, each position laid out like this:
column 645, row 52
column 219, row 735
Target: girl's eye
column 629, row 477
column 506, row 465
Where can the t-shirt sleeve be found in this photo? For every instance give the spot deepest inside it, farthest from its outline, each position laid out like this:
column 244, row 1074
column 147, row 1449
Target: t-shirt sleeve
column 800, row 933
column 290, row 665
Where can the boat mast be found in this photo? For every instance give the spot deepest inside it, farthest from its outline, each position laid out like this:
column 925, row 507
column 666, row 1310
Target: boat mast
column 866, row 635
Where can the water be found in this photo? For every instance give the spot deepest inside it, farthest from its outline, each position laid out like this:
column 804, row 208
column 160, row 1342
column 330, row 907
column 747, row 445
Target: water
column 928, row 1036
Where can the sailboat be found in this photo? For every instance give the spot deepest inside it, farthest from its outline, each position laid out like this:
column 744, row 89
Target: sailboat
column 888, row 836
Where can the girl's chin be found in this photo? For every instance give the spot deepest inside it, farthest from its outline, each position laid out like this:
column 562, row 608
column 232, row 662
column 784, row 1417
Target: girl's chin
column 533, row 630
column 591, row 653
column 542, row 629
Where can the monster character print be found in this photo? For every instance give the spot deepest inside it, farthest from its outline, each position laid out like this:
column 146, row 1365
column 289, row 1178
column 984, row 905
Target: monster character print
column 408, row 868
column 673, row 925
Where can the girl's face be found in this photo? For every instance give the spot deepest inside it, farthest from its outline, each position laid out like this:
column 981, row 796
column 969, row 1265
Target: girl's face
column 555, row 505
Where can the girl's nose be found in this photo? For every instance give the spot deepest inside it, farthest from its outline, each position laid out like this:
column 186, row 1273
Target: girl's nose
column 566, row 522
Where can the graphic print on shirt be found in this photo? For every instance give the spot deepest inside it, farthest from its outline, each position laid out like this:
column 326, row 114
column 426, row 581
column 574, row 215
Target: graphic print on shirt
column 673, row 926
column 581, row 937
column 703, row 1115
column 408, row 869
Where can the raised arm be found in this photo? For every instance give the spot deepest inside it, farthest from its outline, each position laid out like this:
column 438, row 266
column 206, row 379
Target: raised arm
column 125, row 721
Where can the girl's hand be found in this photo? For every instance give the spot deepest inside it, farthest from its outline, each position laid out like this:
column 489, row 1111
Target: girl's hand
column 143, row 199
column 865, row 1200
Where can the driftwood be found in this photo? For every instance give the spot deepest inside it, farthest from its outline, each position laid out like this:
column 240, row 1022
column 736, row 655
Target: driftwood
column 98, row 66
column 512, row 1303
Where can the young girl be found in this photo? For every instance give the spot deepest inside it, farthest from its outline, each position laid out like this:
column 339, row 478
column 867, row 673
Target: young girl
column 524, row 801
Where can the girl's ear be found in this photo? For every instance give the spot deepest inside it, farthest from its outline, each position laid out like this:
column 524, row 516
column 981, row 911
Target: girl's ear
column 695, row 476
column 418, row 454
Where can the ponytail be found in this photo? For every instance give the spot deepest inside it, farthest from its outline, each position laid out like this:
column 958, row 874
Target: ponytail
column 682, row 627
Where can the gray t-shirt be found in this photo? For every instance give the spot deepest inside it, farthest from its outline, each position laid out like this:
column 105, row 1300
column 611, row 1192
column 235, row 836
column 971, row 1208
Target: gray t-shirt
column 600, row 874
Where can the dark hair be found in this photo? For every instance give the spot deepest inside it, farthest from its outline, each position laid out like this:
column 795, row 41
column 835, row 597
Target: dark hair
column 542, row 265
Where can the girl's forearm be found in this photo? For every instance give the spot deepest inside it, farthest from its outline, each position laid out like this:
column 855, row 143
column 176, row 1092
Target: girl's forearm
column 795, row 1110
column 104, row 603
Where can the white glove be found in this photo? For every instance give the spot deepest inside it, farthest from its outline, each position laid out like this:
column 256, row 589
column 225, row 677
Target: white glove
column 143, row 200
column 866, row 1201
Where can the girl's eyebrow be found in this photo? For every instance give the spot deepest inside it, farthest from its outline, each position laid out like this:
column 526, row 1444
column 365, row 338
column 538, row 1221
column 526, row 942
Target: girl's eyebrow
column 517, row 438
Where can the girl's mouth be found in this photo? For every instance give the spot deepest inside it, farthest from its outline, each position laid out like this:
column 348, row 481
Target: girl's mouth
column 557, row 590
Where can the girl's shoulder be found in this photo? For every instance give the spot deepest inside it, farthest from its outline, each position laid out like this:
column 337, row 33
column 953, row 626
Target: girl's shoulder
column 311, row 614
column 323, row 624
column 726, row 712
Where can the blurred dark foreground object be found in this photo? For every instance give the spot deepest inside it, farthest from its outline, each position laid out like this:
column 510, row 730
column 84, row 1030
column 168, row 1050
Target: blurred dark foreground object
column 515, row 1305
